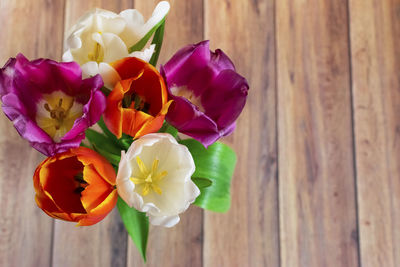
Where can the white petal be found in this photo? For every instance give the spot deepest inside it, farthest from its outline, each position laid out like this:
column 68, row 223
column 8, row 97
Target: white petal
column 124, row 186
column 144, row 55
column 90, row 69
column 107, row 24
column 136, row 28
column 73, row 42
column 67, row 56
column 178, row 191
column 166, row 221
column 132, row 17
column 109, row 74
column 191, row 193
column 114, row 47
column 87, row 19
column 134, row 22
column 159, row 13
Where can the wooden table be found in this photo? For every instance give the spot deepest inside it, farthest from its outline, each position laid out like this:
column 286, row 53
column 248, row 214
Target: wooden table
column 318, row 177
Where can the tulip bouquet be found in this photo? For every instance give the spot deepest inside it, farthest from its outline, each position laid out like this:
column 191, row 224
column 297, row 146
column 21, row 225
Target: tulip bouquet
column 118, row 132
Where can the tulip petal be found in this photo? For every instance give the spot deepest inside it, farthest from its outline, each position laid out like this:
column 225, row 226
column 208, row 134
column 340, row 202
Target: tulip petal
column 168, row 196
column 231, row 87
column 188, row 60
column 144, row 55
column 109, row 74
column 139, row 79
column 208, row 93
column 89, row 157
column 114, row 47
column 77, row 185
column 166, row 221
column 26, row 85
column 97, row 214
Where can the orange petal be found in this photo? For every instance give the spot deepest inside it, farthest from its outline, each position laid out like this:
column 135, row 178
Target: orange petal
column 98, row 213
column 129, row 67
column 143, row 79
column 113, row 114
column 102, row 166
column 97, row 190
column 150, row 126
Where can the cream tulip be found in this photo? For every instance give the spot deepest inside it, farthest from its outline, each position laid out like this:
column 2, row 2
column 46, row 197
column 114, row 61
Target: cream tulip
column 154, row 176
column 101, row 37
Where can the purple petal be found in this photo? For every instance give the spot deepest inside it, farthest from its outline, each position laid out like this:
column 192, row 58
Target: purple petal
column 212, row 77
column 220, row 61
column 23, row 83
column 185, row 62
column 224, row 100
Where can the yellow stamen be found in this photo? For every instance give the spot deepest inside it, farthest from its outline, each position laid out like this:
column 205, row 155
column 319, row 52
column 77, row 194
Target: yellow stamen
column 141, row 165
column 57, row 113
column 148, row 180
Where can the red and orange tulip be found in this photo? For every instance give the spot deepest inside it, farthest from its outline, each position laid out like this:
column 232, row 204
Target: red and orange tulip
column 77, row 185
column 139, row 101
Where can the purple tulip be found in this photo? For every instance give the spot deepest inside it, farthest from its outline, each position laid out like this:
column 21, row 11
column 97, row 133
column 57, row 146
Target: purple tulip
column 49, row 103
column 208, row 93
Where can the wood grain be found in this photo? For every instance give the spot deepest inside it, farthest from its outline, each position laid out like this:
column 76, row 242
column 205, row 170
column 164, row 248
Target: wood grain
column 248, row 235
column 22, row 223
column 375, row 55
column 181, row 245
column 318, row 223
column 105, row 243
column 321, row 74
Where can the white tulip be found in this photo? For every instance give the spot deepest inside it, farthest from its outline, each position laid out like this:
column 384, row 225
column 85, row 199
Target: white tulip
column 154, row 176
column 101, row 37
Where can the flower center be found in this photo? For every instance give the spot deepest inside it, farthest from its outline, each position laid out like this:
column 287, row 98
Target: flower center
column 148, row 180
column 56, row 114
column 80, row 183
column 136, row 102
column 183, row 91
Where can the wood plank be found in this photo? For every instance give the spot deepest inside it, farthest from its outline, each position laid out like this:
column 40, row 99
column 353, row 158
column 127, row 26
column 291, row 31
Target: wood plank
column 105, row 243
column 22, row 223
column 248, row 234
column 318, row 223
column 181, row 245
column 375, row 54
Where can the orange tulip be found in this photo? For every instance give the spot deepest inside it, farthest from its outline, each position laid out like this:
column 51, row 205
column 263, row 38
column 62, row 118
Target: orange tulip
column 139, row 102
column 77, row 185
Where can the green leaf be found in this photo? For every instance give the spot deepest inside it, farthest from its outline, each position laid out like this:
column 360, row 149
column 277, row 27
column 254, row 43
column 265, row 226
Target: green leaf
column 217, row 163
column 112, row 158
column 105, row 90
column 137, row 225
column 123, row 143
column 202, row 182
column 157, row 40
column 102, row 142
column 142, row 43
column 168, row 128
